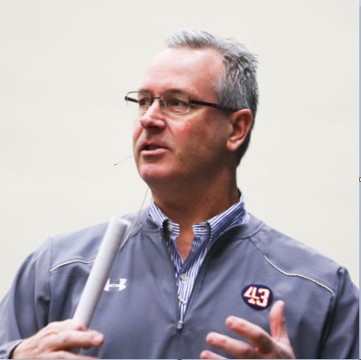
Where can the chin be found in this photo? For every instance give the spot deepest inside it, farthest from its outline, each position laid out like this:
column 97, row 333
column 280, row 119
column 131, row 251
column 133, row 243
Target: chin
column 151, row 173
column 154, row 175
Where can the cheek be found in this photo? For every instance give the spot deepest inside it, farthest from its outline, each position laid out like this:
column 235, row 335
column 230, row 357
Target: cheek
column 186, row 139
column 205, row 137
column 136, row 132
column 209, row 145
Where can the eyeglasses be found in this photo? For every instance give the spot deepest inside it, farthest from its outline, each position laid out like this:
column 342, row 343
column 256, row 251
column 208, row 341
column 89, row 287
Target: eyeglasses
column 170, row 102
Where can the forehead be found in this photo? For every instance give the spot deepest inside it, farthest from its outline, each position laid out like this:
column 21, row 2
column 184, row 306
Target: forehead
column 195, row 71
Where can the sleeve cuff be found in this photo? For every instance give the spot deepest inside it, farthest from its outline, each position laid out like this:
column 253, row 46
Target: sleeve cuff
column 7, row 349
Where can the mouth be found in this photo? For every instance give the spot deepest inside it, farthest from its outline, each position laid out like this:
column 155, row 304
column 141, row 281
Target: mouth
column 152, row 149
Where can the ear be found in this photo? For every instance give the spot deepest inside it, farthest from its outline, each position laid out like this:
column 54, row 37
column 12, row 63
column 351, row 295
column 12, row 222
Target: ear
column 241, row 123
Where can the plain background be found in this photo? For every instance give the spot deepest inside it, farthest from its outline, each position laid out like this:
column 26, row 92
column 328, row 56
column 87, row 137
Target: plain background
column 66, row 65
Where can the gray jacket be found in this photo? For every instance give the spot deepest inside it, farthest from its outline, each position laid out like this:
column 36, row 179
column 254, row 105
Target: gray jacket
column 247, row 269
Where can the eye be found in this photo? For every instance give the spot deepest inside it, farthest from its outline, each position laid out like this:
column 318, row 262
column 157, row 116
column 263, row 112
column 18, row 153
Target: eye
column 144, row 101
column 177, row 105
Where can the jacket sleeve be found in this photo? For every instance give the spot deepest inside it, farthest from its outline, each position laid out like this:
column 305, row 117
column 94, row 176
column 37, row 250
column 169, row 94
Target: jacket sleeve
column 341, row 334
column 24, row 309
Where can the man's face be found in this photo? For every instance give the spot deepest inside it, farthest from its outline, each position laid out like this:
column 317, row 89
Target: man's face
column 181, row 148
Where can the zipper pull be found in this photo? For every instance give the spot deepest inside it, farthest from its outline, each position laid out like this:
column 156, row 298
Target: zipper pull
column 180, row 325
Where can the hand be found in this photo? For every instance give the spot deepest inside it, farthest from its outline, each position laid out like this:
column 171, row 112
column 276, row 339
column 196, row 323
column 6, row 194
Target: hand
column 56, row 341
column 262, row 345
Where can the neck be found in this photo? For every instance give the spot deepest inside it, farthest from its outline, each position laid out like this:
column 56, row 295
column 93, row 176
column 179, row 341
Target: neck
column 188, row 204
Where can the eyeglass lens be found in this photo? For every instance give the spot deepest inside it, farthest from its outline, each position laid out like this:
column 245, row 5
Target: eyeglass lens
column 170, row 102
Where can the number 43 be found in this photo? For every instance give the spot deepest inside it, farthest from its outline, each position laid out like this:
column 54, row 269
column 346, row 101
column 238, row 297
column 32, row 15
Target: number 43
column 258, row 296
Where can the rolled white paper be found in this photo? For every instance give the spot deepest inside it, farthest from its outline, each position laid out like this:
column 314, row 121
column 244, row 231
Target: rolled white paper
column 114, row 238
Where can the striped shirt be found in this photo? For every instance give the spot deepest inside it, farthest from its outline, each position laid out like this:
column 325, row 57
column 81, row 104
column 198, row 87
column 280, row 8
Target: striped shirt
column 205, row 234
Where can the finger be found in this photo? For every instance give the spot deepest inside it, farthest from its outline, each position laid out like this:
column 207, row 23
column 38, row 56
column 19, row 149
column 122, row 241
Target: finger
column 257, row 336
column 66, row 355
column 67, row 334
column 72, row 338
column 277, row 321
column 232, row 346
column 55, row 337
column 66, row 325
column 206, row 354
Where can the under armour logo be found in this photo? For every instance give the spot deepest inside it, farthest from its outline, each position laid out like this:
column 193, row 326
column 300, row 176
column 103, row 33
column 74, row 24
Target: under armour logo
column 121, row 285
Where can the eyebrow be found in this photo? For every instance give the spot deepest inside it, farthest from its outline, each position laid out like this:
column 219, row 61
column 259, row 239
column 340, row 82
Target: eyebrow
column 171, row 90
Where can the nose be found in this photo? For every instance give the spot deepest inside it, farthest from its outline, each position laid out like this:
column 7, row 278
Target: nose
column 153, row 117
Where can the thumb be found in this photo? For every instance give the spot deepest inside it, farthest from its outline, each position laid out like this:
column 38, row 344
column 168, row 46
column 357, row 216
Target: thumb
column 278, row 322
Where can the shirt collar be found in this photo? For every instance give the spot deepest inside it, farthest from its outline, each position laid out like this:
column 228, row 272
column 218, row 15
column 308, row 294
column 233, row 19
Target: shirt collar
column 215, row 226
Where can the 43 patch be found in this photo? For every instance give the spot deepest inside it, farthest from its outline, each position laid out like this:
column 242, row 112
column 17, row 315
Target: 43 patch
column 258, row 297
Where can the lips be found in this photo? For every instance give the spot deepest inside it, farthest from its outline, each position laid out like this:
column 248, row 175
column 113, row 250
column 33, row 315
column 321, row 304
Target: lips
column 152, row 148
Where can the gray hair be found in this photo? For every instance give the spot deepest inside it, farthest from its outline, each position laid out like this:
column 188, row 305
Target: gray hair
column 238, row 87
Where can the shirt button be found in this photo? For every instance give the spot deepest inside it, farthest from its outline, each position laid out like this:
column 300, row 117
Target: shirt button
column 170, row 227
column 183, row 277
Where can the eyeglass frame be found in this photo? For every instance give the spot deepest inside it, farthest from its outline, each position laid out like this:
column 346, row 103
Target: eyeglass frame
column 190, row 101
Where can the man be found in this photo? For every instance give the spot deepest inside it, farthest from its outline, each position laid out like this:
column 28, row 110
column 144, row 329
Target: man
column 199, row 276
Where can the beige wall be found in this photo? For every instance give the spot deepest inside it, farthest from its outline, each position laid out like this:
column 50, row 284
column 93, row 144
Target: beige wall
column 65, row 66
